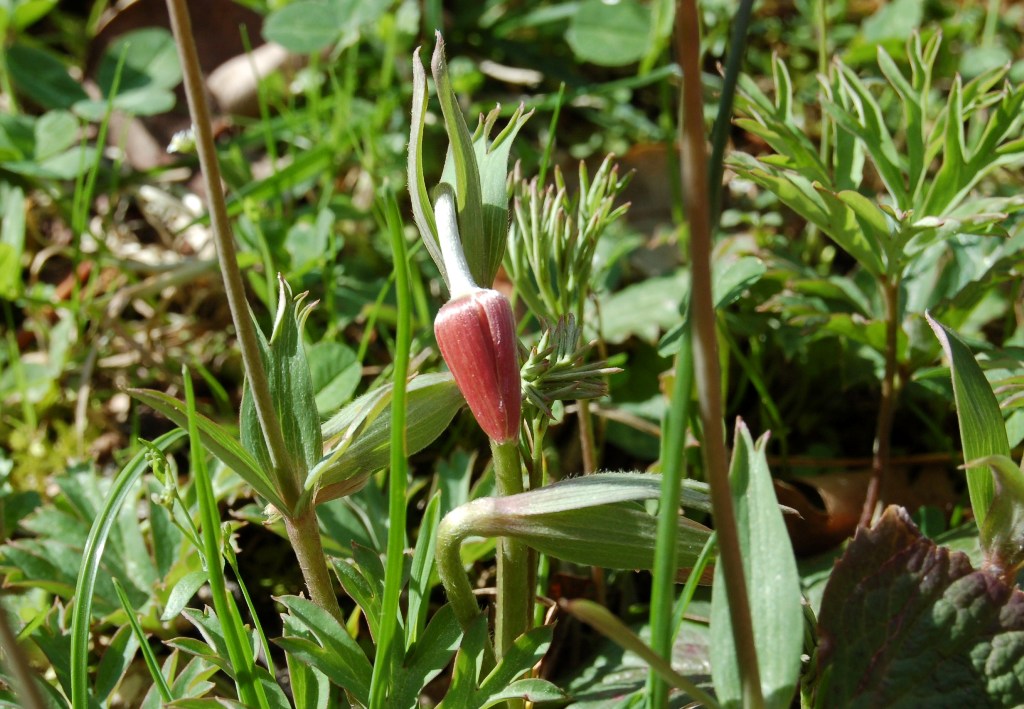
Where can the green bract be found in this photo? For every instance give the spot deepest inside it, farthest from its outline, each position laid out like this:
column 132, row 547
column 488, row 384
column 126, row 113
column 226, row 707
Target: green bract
column 476, row 168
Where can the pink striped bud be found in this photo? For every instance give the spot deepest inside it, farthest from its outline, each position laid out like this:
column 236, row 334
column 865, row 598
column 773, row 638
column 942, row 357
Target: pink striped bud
column 476, row 332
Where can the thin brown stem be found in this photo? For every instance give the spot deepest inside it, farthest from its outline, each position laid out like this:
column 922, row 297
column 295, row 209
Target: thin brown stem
column 586, row 437
column 696, row 195
column 234, row 287
column 304, row 534
column 882, row 450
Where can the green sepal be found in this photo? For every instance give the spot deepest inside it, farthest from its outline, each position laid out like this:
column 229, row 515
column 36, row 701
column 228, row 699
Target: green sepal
column 476, row 168
column 484, row 254
column 360, row 433
column 291, row 389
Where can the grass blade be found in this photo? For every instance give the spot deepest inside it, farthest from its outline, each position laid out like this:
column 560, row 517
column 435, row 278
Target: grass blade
column 91, row 557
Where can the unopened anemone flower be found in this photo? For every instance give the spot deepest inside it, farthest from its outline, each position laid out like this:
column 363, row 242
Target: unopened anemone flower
column 476, row 333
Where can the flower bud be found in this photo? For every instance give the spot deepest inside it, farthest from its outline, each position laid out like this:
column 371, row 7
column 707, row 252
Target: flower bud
column 477, row 335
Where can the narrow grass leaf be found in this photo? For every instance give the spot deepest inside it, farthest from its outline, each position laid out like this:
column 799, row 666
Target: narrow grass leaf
column 142, row 641
column 92, row 554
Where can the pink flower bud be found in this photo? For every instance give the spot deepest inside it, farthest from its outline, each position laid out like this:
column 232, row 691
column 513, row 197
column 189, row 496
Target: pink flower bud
column 477, row 336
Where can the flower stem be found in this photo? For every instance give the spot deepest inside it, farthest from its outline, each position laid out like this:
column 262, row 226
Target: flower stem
column 514, row 593
column 234, row 287
column 450, row 533
column 705, row 348
column 882, row 451
column 304, row 534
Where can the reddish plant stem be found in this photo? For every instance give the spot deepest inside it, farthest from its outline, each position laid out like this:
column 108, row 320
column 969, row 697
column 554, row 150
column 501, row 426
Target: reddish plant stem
column 882, row 449
column 697, row 201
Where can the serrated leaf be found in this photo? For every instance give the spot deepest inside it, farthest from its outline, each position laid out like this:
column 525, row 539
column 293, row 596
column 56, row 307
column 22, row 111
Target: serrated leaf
column 768, row 561
column 900, row 612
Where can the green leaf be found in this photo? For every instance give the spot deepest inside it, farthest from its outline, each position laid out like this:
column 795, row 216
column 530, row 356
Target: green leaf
column 42, row 77
column 335, row 372
column 900, row 612
column 337, row 655
column 773, row 585
column 304, row 27
column 150, row 62
column 91, row 557
column 364, row 427
column 462, row 173
column 422, row 570
column 611, row 627
column 12, row 243
column 291, row 389
column 55, row 132
column 527, row 650
column 569, row 520
column 532, row 690
column 218, row 441
column 982, row 431
column 182, row 593
column 1002, row 533
column 610, row 34
column 492, row 160
column 427, row 657
column 117, row 658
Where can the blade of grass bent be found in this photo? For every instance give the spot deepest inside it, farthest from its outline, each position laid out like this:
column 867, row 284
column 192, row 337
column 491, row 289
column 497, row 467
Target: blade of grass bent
column 611, row 627
column 92, row 554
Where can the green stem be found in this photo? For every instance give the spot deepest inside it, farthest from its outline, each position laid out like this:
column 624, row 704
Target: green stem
column 304, row 534
column 705, row 350
column 450, row 533
column 234, row 287
column 673, row 442
column 514, row 593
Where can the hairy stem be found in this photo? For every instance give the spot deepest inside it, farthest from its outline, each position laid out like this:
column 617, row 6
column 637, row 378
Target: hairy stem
column 234, row 287
column 304, row 534
column 882, row 451
column 705, row 347
column 514, row 593
column 450, row 533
